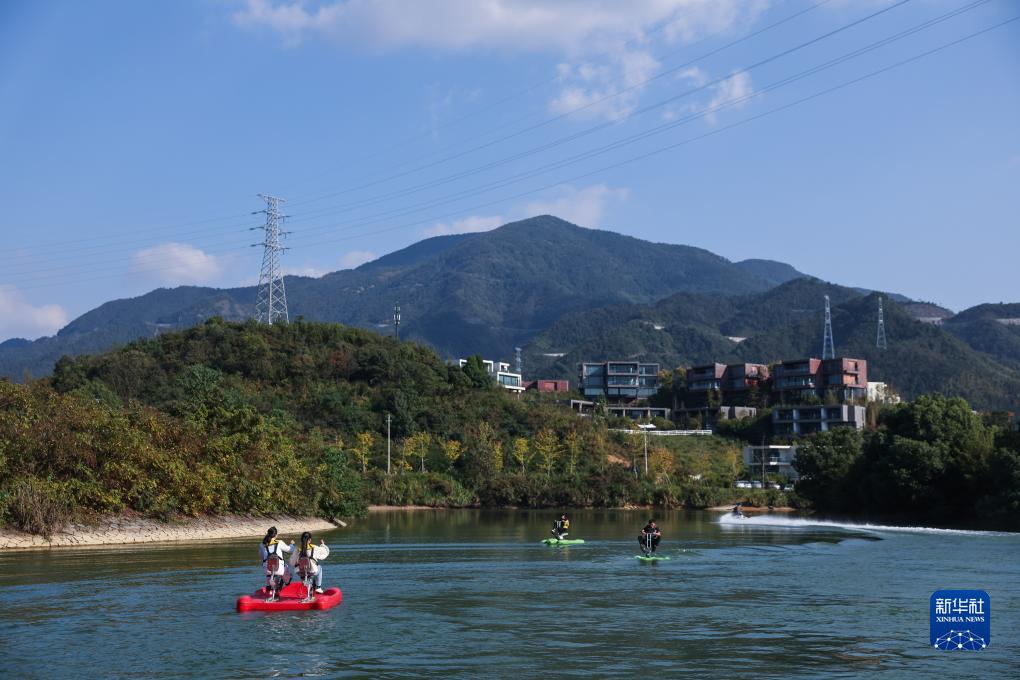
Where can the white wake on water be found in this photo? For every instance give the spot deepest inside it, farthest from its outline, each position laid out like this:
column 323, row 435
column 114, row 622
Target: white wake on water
column 775, row 521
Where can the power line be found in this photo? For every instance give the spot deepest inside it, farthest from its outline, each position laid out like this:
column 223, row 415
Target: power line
column 679, row 144
column 664, row 149
column 635, row 137
column 584, row 107
column 175, row 227
column 592, row 130
column 378, row 217
column 574, row 136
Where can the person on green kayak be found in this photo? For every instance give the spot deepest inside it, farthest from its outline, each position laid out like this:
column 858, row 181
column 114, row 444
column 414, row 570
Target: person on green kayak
column 649, row 538
column 561, row 527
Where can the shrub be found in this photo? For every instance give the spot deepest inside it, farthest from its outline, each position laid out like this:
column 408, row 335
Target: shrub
column 36, row 507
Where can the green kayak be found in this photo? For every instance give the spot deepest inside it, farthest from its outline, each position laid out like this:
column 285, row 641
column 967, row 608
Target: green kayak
column 565, row 541
column 652, row 558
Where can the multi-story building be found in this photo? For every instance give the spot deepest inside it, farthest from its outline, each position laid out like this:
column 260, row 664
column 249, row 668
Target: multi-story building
column 501, row 373
column 771, row 460
column 797, row 381
column 797, row 420
column 619, row 381
column 733, row 382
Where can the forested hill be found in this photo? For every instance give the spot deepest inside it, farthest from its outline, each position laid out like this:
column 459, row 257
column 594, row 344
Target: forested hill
column 786, row 323
column 464, row 294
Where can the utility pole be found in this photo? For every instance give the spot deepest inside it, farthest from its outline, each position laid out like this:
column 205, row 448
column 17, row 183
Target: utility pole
column 396, row 319
column 646, row 453
column 387, row 443
column 828, row 351
column 271, row 298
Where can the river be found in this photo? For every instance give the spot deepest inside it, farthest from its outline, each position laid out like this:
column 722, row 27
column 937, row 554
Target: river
column 474, row 594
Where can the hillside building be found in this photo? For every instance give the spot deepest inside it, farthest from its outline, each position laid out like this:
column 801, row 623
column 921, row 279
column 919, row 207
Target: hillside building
column 625, row 385
column 800, row 380
column 882, row 393
column 798, row 420
column 733, row 383
column 632, row 411
column 552, row 386
column 619, row 381
column 773, row 459
column 501, row 373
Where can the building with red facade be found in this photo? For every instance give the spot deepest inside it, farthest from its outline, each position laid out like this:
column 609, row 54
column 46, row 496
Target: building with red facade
column 843, row 377
column 734, row 383
column 548, row 385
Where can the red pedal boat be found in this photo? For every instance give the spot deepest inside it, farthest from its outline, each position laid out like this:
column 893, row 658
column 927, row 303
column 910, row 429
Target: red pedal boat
column 291, row 598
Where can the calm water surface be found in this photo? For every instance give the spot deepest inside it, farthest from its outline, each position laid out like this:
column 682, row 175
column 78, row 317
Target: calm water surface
column 473, row 593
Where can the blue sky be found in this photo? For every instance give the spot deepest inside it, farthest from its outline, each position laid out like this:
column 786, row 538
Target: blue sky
column 135, row 136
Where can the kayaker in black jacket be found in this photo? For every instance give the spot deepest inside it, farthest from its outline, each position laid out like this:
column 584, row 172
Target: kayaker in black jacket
column 650, row 537
column 561, row 527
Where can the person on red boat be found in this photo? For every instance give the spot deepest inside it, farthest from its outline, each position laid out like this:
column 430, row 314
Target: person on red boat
column 271, row 550
column 306, row 560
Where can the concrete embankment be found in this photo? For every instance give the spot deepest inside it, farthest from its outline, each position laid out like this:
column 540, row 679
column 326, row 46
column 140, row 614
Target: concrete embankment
column 126, row 530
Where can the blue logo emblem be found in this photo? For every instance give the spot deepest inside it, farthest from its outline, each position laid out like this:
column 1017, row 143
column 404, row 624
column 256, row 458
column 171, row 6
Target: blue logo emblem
column 960, row 620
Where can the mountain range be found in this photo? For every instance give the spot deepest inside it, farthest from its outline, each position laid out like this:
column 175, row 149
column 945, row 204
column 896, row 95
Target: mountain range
column 566, row 293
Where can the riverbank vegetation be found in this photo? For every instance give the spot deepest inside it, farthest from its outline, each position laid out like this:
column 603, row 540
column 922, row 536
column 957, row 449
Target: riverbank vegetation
column 932, row 460
column 293, row 418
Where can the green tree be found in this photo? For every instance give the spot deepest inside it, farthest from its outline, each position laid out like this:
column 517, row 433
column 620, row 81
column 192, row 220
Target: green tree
column 572, row 447
column 474, row 369
column 417, row 445
column 362, row 450
column 548, row 450
column 828, row 465
column 521, row 453
column 452, row 450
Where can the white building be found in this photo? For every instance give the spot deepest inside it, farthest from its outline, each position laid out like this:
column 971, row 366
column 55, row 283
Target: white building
column 778, row 460
column 500, row 372
column 882, row 393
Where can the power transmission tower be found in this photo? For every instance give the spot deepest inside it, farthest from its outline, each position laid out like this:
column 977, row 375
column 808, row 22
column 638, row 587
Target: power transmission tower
column 880, row 341
column 828, row 352
column 271, row 300
column 396, row 319
column 517, row 361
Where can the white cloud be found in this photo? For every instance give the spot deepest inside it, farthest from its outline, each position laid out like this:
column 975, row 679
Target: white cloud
column 354, row 258
column 728, row 93
column 734, row 88
column 584, row 207
column 467, row 225
column 568, row 26
column 608, row 91
column 20, row 319
column 176, row 264
column 617, row 36
column 307, row 270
